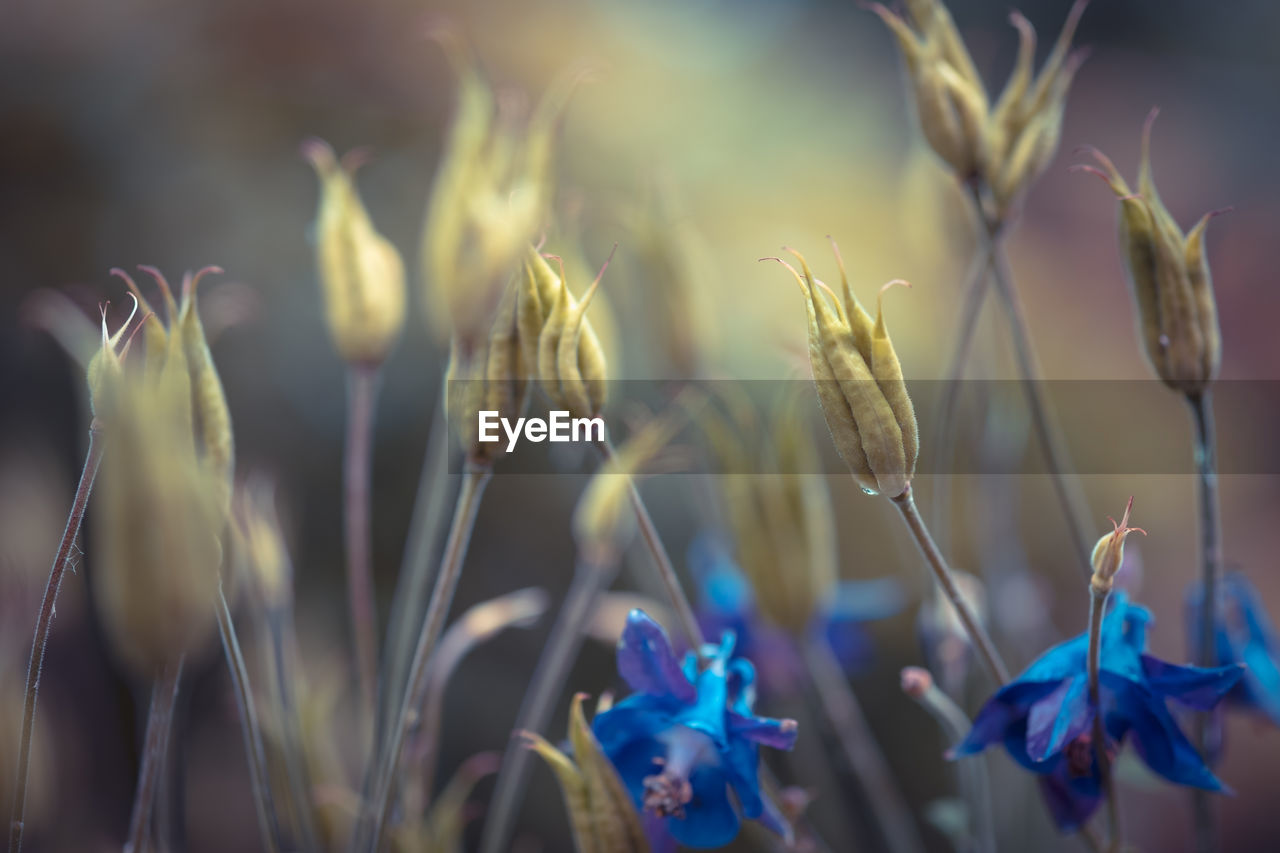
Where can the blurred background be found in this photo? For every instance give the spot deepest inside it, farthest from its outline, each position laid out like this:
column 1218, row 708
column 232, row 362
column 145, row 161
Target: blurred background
column 143, row 132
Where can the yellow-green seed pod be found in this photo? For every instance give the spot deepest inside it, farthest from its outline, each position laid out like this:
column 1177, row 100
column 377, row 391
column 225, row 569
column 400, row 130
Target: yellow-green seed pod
column 778, row 509
column 568, row 360
column 1108, row 554
column 860, row 385
column 103, row 372
column 263, row 544
column 361, row 274
column 209, row 400
column 1169, row 278
column 601, row 813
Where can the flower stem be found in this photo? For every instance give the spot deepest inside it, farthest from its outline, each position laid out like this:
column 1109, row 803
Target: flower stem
column 1097, row 607
column 1205, row 451
column 413, row 584
column 892, row 814
column 942, row 573
column 255, row 754
column 164, row 693
column 362, row 394
column 666, row 571
column 590, row 579
column 283, row 660
column 382, row 782
column 44, row 625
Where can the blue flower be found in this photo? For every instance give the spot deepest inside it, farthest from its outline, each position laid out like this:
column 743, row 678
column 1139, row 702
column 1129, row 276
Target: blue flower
column 687, row 736
column 1243, row 635
column 726, row 602
column 1044, row 717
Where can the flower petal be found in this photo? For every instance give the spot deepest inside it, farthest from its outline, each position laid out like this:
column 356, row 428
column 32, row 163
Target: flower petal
column 1162, row 745
column 710, row 820
column 1007, row 708
column 646, row 661
column 1059, row 718
column 779, row 734
column 1071, row 801
column 1197, row 687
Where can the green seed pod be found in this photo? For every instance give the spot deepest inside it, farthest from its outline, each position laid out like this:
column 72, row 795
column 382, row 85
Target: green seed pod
column 568, row 360
column 860, row 385
column 1169, row 278
column 361, row 273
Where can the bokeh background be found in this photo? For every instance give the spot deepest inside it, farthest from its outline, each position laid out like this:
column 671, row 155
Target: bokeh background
column 167, row 134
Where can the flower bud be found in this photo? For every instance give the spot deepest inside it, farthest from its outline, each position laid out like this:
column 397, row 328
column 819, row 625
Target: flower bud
column 1108, row 554
column 1168, row 274
column 778, row 510
column 490, row 197
column 557, row 340
column 263, row 545
column 859, row 383
column 361, row 274
column 103, row 372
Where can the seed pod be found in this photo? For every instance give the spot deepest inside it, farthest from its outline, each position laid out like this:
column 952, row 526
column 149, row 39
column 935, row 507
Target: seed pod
column 263, row 543
column 103, row 371
column 491, row 195
column 1169, row 278
column 567, row 360
column 860, row 384
column 1108, row 554
column 361, row 274
column 600, row 809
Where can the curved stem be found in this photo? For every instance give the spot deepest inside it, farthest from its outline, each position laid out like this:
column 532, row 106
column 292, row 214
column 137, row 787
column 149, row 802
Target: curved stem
column 892, row 814
column 283, row 652
column 164, row 692
column 382, row 782
column 662, row 561
column 1097, row 607
column 254, row 753
column 362, row 393
column 1205, row 452
column 589, row 580
column 946, row 582
column 44, row 625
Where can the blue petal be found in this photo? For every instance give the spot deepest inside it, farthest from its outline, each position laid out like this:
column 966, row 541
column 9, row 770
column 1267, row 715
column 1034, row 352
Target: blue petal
column 1007, row 708
column 1160, row 742
column 1071, row 801
column 1256, row 643
column 863, row 601
column 655, row 830
column 779, row 734
column 1064, row 660
column 742, row 761
column 1197, row 687
column 634, row 718
column 722, row 585
column 849, row 642
column 635, row 761
column 646, row 661
column 710, row 817
column 1059, row 718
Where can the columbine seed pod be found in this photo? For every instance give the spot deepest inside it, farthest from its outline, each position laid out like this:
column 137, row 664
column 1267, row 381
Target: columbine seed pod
column 1168, row 274
column 778, row 509
column 1108, row 554
column 557, row 340
column 490, row 197
column 361, row 273
column 859, row 383
column 492, row 379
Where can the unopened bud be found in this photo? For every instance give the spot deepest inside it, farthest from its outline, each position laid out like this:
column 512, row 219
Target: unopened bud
column 1108, row 554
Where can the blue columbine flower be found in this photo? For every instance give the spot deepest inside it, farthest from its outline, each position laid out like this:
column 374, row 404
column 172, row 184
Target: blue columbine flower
column 1045, row 720
column 726, row 602
column 1243, row 635
column 686, row 736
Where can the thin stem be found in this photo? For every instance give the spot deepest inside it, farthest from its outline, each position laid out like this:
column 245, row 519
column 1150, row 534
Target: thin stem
column 1205, row 452
column 164, row 692
column 892, row 814
column 280, row 626
column 666, row 571
column 1032, row 383
column 590, row 579
column 44, row 625
column 426, row 526
column 255, row 755
column 946, row 582
column 1097, row 607
column 362, row 394
column 381, row 784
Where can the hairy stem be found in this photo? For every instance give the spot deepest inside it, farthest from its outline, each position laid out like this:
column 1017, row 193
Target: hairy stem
column 382, row 783
column 164, row 692
column 590, row 579
column 946, row 582
column 892, row 814
column 413, row 584
column 283, row 662
column 666, row 571
column 1205, row 452
column 1097, row 607
column 255, row 754
column 362, row 394
column 44, row 625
